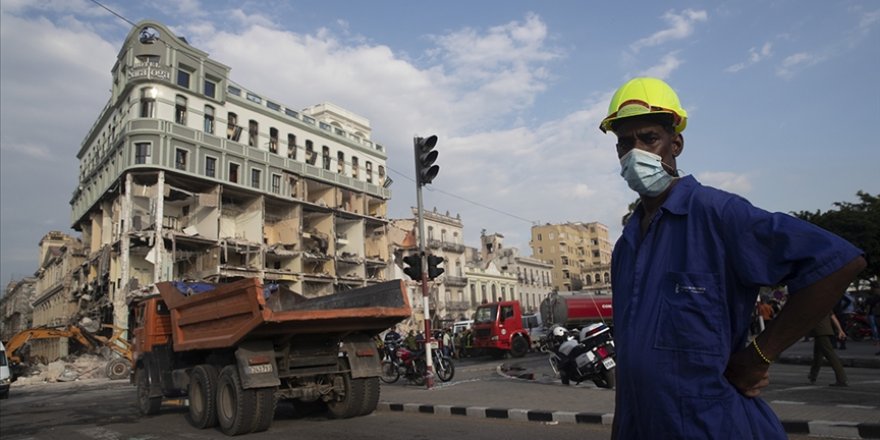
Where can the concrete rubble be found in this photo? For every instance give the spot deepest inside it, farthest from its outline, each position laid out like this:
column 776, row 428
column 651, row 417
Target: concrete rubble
column 67, row 369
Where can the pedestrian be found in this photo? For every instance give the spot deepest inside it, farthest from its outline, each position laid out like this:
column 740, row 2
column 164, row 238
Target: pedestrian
column 410, row 341
column 872, row 308
column 823, row 332
column 685, row 274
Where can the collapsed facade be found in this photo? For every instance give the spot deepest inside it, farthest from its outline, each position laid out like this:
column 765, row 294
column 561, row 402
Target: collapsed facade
column 188, row 175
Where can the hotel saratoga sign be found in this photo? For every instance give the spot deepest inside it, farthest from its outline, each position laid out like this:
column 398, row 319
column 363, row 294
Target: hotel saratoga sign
column 150, row 71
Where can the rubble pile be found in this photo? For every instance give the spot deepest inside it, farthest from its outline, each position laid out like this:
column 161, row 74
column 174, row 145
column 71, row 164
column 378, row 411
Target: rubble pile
column 67, row 369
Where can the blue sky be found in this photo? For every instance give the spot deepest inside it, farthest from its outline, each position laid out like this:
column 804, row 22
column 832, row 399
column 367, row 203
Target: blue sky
column 783, row 96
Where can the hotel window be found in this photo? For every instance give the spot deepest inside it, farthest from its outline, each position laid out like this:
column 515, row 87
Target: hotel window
column 276, row 183
column 233, row 131
column 180, row 110
column 141, row 153
column 354, row 167
column 255, row 178
column 369, row 168
column 273, row 140
column 381, row 174
column 291, row 146
column 210, row 167
column 340, row 162
column 180, row 159
column 325, row 157
column 183, row 75
column 233, row 172
column 311, row 156
column 209, row 119
column 148, row 102
column 253, row 133
column 210, row 89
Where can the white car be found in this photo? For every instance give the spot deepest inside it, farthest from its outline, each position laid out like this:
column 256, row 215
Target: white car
column 5, row 378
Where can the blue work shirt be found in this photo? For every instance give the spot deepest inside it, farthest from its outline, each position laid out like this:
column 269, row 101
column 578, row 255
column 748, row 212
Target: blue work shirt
column 683, row 301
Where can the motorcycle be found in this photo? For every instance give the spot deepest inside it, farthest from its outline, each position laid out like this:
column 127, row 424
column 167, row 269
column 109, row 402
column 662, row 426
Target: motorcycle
column 581, row 355
column 857, row 327
column 412, row 365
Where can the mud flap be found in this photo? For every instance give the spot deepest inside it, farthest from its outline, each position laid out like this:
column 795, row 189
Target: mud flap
column 256, row 364
column 363, row 358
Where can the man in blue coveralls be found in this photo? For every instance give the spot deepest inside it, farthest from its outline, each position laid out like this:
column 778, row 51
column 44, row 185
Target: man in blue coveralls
column 685, row 276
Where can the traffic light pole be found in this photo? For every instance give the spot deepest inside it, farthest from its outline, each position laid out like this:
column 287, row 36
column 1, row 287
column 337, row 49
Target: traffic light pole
column 426, row 293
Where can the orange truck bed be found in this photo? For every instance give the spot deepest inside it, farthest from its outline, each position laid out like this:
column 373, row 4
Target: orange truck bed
column 230, row 313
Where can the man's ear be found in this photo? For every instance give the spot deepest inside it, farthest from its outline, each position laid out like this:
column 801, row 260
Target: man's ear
column 677, row 144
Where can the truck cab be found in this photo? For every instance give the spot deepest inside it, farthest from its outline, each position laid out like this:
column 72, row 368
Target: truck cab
column 498, row 329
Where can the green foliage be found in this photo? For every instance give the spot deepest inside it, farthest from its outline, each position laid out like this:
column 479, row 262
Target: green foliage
column 858, row 223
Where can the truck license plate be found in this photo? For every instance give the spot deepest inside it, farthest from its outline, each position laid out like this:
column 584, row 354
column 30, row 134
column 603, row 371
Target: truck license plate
column 608, row 363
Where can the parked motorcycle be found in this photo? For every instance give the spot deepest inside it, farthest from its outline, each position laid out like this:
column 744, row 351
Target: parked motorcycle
column 581, row 355
column 401, row 361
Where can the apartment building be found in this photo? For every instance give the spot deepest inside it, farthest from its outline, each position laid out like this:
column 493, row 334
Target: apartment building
column 444, row 238
column 534, row 277
column 186, row 174
column 16, row 311
column 579, row 252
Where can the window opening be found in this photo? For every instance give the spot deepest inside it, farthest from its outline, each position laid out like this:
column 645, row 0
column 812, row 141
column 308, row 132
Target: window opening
column 325, row 156
column 209, row 119
column 148, row 102
column 255, row 178
column 340, row 162
column 180, row 159
column 233, row 131
column 210, row 167
column 291, row 146
column 273, row 140
column 369, row 168
column 141, row 153
column 233, row 172
column 253, row 133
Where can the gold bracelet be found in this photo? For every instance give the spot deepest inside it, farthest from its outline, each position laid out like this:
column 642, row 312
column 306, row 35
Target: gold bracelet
column 760, row 353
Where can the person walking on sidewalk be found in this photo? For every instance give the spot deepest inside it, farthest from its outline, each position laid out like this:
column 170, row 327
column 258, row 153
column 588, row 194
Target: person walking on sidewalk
column 685, row 274
column 829, row 327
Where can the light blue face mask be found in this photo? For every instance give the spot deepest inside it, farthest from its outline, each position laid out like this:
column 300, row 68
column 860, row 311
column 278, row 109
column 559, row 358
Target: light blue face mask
column 644, row 173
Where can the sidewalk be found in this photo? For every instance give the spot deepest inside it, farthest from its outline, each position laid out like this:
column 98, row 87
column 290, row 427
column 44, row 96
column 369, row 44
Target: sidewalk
column 532, row 400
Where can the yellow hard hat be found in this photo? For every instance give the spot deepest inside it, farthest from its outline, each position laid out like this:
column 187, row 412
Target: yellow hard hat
column 642, row 96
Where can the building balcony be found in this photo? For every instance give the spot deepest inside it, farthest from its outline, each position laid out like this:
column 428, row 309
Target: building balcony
column 446, row 246
column 455, row 281
column 457, row 305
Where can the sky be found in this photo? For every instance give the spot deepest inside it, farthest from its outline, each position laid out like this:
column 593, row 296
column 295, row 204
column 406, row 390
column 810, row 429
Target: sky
column 783, row 97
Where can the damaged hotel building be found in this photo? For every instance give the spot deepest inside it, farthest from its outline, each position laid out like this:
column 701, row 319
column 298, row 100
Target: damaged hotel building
column 188, row 175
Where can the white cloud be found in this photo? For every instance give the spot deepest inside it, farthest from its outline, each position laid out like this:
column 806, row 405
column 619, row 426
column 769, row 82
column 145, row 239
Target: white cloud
column 756, row 55
column 793, row 63
column 680, row 26
column 664, row 69
column 731, row 182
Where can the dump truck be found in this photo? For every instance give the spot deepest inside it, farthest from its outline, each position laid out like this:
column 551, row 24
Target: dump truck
column 234, row 349
column 576, row 310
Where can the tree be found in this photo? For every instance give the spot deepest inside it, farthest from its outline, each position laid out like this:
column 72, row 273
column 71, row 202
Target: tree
column 858, row 223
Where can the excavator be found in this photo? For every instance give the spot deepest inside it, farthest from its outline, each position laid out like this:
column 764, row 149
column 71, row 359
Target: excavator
column 118, row 368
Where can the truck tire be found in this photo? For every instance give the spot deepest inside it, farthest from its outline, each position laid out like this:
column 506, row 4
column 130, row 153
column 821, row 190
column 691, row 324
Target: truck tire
column 350, row 402
column 235, row 405
column 146, row 405
column 203, row 396
column 371, row 395
column 519, row 346
column 264, row 411
column 118, row 368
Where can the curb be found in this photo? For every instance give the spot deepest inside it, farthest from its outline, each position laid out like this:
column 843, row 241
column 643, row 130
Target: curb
column 824, row 428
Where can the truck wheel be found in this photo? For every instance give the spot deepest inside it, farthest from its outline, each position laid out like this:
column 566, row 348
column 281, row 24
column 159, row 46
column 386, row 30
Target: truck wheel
column 203, row 396
column 519, row 346
column 264, row 412
column 118, row 368
column 371, row 395
column 146, row 405
column 390, row 372
column 235, row 405
column 350, row 401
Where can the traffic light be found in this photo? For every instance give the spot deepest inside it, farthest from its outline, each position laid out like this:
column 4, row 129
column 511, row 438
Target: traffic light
column 426, row 155
column 434, row 269
column 413, row 266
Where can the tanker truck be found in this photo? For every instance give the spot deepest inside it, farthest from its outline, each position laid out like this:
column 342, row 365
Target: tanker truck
column 576, row 310
column 234, row 349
